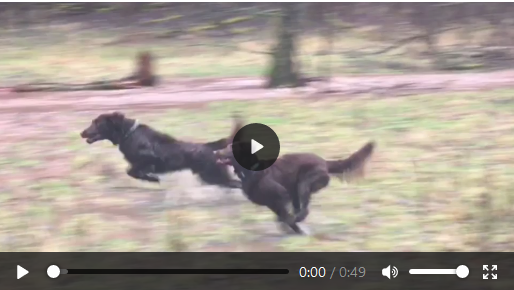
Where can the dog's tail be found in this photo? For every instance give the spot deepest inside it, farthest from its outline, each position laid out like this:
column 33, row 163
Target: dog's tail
column 223, row 143
column 353, row 166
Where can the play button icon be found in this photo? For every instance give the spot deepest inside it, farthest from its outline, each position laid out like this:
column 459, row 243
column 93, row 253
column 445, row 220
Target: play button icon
column 20, row 272
column 256, row 147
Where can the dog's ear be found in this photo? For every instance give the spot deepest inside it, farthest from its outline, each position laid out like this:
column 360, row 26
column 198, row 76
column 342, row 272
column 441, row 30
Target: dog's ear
column 118, row 114
column 117, row 118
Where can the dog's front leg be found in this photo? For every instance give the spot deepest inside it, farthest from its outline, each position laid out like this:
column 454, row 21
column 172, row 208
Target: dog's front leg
column 143, row 173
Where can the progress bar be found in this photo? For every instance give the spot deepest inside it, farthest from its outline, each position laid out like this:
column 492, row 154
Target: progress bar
column 176, row 271
column 462, row 271
column 54, row 271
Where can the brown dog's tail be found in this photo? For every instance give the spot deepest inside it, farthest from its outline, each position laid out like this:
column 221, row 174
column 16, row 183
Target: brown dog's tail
column 223, row 143
column 352, row 166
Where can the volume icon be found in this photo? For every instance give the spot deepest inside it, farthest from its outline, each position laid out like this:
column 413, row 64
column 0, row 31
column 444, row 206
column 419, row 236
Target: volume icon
column 394, row 272
column 390, row 271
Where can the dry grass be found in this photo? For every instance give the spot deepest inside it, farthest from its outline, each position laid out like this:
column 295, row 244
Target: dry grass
column 440, row 181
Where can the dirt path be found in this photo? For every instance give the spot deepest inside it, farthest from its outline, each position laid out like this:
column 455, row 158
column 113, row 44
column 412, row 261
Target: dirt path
column 195, row 91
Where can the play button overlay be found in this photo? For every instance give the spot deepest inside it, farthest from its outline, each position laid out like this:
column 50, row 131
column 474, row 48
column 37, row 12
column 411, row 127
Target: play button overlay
column 256, row 147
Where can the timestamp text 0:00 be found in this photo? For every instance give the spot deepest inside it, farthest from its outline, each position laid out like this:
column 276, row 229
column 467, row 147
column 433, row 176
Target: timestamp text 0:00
column 313, row 272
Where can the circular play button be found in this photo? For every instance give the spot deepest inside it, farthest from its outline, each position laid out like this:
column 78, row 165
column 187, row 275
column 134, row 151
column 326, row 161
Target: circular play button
column 256, row 147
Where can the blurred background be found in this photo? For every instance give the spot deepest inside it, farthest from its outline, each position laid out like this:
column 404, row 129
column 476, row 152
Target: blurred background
column 430, row 82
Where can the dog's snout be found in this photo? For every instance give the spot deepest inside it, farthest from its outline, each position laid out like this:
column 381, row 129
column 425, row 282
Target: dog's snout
column 86, row 132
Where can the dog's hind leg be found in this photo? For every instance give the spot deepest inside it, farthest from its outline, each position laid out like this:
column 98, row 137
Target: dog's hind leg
column 313, row 181
column 302, row 214
column 284, row 217
column 277, row 200
column 297, row 205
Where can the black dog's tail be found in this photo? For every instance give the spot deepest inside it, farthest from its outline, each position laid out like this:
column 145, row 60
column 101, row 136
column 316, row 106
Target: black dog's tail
column 223, row 143
column 352, row 166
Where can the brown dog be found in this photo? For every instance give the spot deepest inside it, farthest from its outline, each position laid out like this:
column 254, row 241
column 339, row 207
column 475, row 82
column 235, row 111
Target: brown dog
column 150, row 152
column 293, row 177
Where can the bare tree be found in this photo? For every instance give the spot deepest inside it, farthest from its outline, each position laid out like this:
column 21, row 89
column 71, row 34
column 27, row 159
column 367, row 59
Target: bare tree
column 283, row 70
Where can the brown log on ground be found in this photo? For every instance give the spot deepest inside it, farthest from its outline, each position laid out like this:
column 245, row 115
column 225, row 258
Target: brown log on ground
column 144, row 74
column 142, row 77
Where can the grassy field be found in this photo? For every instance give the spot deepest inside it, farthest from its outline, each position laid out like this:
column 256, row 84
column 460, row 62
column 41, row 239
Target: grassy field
column 441, row 180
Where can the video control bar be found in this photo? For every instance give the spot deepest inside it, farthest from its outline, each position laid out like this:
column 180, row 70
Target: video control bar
column 295, row 270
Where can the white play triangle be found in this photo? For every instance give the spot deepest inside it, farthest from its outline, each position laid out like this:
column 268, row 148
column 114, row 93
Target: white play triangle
column 256, row 146
column 20, row 272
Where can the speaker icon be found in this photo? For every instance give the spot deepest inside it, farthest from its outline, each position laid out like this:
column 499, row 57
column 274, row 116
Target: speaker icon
column 390, row 271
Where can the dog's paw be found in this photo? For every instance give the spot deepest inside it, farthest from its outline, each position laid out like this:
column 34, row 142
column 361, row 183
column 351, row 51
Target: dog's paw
column 285, row 228
column 305, row 230
column 153, row 178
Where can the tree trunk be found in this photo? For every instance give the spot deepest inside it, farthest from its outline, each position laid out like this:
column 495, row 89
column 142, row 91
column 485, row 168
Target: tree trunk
column 283, row 70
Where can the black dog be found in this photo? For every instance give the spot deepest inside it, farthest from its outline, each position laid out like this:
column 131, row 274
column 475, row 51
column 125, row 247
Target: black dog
column 150, row 152
column 293, row 178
